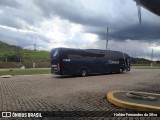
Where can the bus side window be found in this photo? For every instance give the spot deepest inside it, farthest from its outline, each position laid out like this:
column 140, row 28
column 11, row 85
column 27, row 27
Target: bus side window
column 77, row 57
column 74, row 57
column 65, row 56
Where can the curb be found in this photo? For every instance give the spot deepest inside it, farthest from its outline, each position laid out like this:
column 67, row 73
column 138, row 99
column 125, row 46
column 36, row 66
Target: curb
column 131, row 105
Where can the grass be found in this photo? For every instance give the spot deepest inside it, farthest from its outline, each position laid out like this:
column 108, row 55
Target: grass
column 29, row 55
column 48, row 71
column 145, row 67
column 25, row 72
column 154, row 65
column 7, row 51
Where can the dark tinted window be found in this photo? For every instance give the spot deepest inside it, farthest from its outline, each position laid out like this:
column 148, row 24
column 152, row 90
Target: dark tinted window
column 54, row 53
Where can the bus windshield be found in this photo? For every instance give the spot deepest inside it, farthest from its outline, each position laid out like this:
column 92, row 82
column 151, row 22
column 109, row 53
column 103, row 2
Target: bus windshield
column 54, row 54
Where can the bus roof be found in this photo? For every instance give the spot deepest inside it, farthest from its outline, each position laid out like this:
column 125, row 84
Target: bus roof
column 98, row 52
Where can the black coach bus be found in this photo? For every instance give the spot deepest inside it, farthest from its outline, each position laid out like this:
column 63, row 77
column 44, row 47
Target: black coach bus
column 66, row 61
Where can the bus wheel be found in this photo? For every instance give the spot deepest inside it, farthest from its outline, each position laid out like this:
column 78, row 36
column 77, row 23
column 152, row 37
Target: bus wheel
column 121, row 70
column 83, row 72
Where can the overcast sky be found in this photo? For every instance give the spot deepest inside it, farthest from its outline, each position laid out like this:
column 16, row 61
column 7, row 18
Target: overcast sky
column 80, row 24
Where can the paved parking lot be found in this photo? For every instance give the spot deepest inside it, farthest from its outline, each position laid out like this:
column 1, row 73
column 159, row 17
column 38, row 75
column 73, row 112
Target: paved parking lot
column 54, row 93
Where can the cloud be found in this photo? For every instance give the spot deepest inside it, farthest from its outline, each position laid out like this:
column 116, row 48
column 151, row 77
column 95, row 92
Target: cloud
column 9, row 3
column 118, row 15
column 145, row 32
column 21, row 37
column 78, row 24
column 20, row 14
column 63, row 33
column 90, row 13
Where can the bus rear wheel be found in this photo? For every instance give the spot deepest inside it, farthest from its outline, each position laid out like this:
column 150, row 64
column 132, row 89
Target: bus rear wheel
column 83, row 72
column 121, row 70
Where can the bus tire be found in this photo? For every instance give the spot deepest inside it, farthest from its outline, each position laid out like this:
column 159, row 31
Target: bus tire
column 121, row 70
column 83, row 72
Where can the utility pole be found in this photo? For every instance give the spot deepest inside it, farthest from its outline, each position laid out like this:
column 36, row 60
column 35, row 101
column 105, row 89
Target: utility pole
column 152, row 58
column 35, row 44
column 6, row 59
column 107, row 38
column 34, row 63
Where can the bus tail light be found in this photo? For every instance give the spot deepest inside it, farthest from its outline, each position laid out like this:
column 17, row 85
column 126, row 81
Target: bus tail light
column 58, row 67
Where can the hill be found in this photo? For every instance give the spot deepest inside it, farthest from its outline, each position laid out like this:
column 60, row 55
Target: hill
column 11, row 53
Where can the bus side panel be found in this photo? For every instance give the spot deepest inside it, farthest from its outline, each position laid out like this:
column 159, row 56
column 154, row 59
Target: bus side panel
column 74, row 67
column 68, row 68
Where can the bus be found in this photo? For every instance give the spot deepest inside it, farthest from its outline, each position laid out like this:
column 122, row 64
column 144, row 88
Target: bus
column 67, row 61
